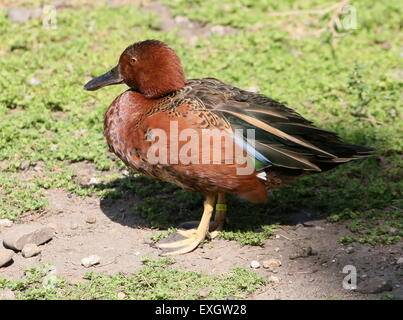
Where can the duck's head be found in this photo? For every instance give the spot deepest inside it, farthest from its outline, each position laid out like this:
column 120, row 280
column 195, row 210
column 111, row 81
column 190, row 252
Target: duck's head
column 149, row 67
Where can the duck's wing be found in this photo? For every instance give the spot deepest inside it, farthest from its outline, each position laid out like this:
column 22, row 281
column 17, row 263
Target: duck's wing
column 283, row 138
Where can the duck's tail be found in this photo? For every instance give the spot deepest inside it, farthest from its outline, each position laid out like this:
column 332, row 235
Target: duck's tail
column 344, row 152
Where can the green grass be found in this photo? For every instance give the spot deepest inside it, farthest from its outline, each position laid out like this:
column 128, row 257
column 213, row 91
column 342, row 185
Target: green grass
column 18, row 197
column 155, row 281
column 351, row 86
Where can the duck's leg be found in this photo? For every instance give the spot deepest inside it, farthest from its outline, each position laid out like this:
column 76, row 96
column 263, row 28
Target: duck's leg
column 220, row 215
column 192, row 238
column 216, row 225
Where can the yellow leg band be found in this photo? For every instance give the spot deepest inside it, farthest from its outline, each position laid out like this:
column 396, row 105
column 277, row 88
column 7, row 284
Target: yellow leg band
column 221, row 207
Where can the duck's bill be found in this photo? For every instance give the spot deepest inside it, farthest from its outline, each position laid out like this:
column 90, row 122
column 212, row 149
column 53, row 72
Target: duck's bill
column 111, row 77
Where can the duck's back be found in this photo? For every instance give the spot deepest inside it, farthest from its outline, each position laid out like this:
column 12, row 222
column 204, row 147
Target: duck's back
column 283, row 138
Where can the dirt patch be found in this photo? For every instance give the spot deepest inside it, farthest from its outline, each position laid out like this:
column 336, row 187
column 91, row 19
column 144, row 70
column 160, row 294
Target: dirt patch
column 311, row 257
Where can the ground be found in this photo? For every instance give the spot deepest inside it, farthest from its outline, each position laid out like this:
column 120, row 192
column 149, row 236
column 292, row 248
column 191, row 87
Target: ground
column 55, row 167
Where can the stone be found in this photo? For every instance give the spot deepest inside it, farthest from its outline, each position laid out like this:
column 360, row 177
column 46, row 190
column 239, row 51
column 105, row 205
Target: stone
column 121, row 295
column 6, row 223
column 90, row 219
column 30, row 250
column 34, row 81
column 6, row 256
column 400, row 261
column 203, row 293
column 271, row 263
column 374, row 285
column 18, row 236
column 94, row 180
column 90, row 261
column 349, row 250
column 255, row 264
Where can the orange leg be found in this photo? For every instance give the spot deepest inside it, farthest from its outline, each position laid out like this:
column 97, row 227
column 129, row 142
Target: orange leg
column 192, row 237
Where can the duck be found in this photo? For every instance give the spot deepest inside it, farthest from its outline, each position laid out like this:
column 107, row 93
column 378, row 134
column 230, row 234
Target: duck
column 210, row 137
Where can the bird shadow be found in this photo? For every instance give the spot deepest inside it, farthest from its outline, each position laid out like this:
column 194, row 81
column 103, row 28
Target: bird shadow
column 138, row 201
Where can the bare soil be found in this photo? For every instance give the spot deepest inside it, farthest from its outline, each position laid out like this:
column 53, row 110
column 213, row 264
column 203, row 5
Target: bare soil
column 312, row 257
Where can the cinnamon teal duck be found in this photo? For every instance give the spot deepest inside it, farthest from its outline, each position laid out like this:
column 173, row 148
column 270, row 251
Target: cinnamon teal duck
column 194, row 132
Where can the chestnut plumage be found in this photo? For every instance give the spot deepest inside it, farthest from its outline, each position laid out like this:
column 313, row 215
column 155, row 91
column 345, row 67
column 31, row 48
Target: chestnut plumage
column 285, row 145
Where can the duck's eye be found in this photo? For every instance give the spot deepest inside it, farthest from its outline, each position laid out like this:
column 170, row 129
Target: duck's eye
column 133, row 59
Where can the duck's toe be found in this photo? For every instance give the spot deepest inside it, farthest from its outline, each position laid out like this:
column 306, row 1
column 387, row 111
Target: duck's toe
column 181, row 242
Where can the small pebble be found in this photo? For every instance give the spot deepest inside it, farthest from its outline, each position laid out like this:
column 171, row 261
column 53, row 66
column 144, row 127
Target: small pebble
column 400, row 261
column 91, row 219
column 274, row 279
column 349, row 250
column 30, row 250
column 94, row 180
column 255, row 264
column 34, row 81
column 203, row 293
column 121, row 295
column 74, row 226
column 90, row 261
column 6, row 256
column 6, row 223
column 271, row 263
